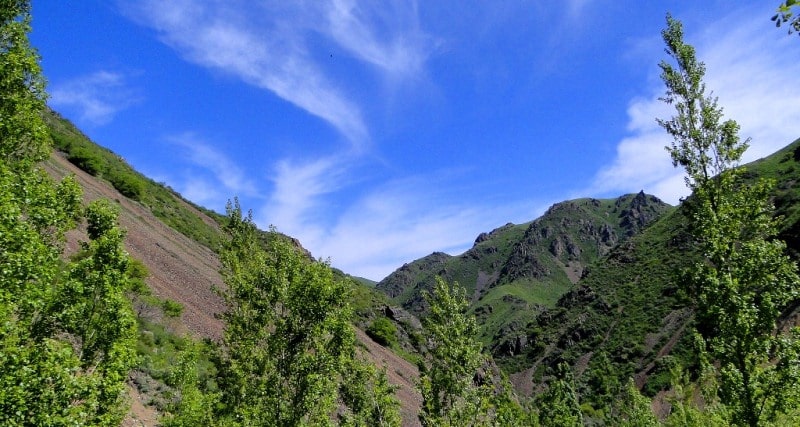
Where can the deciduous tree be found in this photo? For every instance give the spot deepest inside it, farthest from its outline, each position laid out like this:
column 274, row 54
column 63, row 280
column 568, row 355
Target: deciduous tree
column 786, row 15
column 66, row 329
column 744, row 280
column 451, row 392
column 288, row 342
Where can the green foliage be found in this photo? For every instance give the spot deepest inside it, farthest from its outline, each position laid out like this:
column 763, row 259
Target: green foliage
column 603, row 381
column 558, row 405
column 137, row 272
column 367, row 397
column 745, row 280
column 634, row 409
column 67, row 340
column 450, row 394
column 288, row 340
column 23, row 139
column 383, row 331
column 786, row 15
column 130, row 185
column 685, row 395
column 137, row 269
column 193, row 406
column 87, row 160
column 172, row 308
column 66, row 329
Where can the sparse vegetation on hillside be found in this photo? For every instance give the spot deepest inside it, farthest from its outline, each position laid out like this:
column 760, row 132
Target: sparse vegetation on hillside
column 587, row 306
column 164, row 202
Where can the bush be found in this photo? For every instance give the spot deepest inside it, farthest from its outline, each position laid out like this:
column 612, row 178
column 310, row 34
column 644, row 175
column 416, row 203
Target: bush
column 89, row 161
column 128, row 184
column 383, row 331
column 137, row 269
column 171, row 308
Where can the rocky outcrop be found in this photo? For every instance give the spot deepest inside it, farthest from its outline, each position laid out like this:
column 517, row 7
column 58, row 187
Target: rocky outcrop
column 640, row 211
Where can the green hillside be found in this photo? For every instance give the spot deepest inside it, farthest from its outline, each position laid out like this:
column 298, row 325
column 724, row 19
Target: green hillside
column 165, row 203
column 594, row 283
column 630, row 307
column 516, row 272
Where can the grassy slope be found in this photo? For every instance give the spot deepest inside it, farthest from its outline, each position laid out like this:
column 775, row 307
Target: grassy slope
column 166, row 204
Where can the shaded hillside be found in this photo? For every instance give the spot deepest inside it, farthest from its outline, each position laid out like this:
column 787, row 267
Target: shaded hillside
column 595, row 283
column 517, row 271
column 629, row 306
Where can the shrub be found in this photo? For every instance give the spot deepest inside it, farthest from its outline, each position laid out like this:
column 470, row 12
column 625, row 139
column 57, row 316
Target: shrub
column 128, row 184
column 171, row 308
column 137, row 269
column 383, row 331
column 86, row 159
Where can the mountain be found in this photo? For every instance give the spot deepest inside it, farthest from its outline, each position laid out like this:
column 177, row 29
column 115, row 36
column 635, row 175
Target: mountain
column 631, row 309
column 594, row 283
column 516, row 272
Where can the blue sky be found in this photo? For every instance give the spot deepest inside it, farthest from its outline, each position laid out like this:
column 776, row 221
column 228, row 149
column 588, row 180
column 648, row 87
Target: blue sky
column 377, row 132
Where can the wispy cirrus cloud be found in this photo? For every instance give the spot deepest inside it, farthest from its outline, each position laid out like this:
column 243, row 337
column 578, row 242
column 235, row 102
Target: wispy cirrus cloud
column 266, row 44
column 97, row 97
column 298, row 191
column 751, row 68
column 359, row 28
column 385, row 226
column 201, row 153
column 286, row 49
column 209, row 177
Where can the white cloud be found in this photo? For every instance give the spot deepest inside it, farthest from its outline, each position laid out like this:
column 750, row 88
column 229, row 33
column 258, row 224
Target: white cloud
column 208, row 177
column 751, row 68
column 298, row 190
column 224, row 170
column 97, row 97
column 384, row 227
column 356, row 27
column 266, row 45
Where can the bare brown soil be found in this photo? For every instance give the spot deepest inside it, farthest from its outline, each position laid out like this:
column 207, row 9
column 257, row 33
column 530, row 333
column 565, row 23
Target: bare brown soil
column 187, row 272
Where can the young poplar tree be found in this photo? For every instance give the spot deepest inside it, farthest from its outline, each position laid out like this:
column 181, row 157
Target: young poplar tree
column 558, row 405
column 289, row 344
column 786, row 15
column 450, row 394
column 66, row 329
column 744, row 280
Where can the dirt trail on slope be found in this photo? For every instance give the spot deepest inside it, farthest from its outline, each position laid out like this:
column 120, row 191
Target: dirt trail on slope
column 185, row 271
